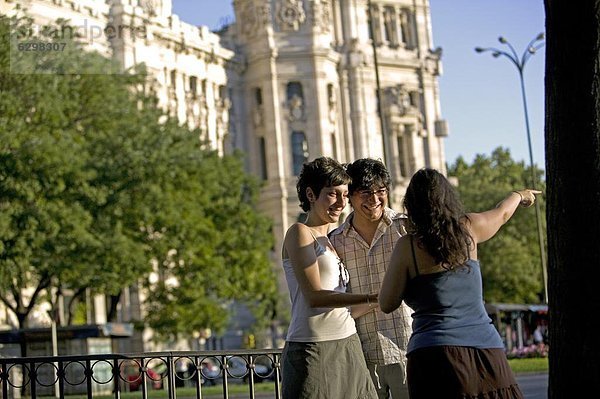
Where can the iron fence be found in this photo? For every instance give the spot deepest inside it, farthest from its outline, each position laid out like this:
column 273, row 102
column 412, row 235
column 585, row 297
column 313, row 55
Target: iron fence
column 113, row 374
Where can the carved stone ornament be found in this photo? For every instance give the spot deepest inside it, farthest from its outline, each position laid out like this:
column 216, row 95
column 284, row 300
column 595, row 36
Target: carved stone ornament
column 249, row 19
column 254, row 17
column 321, row 15
column 332, row 102
column 264, row 14
column 149, row 6
column 296, row 108
column 290, row 15
column 398, row 98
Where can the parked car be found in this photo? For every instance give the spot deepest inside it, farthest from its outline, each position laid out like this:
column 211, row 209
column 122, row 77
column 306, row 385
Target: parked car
column 132, row 374
column 238, row 369
column 183, row 371
column 268, row 363
column 211, row 372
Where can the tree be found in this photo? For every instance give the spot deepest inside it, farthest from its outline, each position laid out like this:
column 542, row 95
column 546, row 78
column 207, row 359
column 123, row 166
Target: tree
column 54, row 226
column 510, row 261
column 572, row 136
column 95, row 192
column 220, row 255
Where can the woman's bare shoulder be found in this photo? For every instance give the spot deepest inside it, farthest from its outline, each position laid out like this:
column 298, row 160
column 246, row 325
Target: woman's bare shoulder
column 297, row 229
column 297, row 234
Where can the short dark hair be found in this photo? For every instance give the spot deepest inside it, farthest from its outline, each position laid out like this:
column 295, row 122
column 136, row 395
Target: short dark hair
column 319, row 173
column 366, row 173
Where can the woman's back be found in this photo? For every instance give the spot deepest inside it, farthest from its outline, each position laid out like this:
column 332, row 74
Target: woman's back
column 448, row 306
column 436, row 272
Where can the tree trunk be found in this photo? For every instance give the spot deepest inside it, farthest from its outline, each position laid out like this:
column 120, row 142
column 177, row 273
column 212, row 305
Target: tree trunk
column 22, row 320
column 113, row 307
column 572, row 135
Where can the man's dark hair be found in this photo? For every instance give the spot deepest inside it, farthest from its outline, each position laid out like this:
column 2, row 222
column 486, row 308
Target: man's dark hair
column 367, row 173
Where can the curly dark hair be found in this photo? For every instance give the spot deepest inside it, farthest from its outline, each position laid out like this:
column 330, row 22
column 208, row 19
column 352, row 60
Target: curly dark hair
column 436, row 215
column 367, row 173
column 319, row 173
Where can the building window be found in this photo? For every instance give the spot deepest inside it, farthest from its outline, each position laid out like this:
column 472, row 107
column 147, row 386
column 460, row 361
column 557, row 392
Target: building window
column 374, row 27
column 174, row 79
column 294, row 89
column 334, row 151
column 415, row 99
column 258, row 96
column 406, row 28
column 295, row 100
column 194, row 86
column 426, row 154
column 330, row 94
column 404, row 141
column 389, row 25
column 299, row 151
column 262, row 148
column 222, row 92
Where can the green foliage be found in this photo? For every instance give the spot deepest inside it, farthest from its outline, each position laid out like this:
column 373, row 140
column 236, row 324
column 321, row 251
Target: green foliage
column 529, row 365
column 510, row 261
column 214, row 252
column 96, row 194
column 49, row 193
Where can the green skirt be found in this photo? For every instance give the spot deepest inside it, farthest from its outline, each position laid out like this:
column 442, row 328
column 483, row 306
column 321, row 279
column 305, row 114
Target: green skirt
column 326, row 370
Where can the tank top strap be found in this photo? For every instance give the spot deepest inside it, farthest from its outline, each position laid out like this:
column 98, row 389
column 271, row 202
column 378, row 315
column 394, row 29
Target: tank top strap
column 312, row 234
column 319, row 249
column 412, row 248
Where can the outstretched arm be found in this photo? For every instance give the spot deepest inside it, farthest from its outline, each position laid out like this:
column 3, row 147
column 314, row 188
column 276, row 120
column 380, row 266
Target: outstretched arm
column 484, row 225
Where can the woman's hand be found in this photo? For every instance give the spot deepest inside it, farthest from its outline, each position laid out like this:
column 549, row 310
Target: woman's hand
column 527, row 197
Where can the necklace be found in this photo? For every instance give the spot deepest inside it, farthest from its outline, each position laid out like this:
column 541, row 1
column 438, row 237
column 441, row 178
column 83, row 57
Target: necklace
column 344, row 275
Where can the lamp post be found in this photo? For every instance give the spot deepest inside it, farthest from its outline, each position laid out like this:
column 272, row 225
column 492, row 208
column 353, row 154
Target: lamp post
column 535, row 44
column 387, row 157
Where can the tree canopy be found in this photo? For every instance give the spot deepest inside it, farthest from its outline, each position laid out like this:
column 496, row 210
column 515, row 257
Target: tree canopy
column 510, row 261
column 100, row 189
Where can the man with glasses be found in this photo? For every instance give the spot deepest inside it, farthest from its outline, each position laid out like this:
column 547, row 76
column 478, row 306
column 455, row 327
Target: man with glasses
column 365, row 242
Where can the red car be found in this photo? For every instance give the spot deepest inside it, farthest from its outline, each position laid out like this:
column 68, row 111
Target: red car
column 133, row 376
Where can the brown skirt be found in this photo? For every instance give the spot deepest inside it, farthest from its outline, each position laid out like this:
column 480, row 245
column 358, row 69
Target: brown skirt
column 460, row 372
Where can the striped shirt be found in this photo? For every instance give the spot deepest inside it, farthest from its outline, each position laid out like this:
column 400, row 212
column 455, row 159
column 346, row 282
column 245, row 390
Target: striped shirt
column 384, row 337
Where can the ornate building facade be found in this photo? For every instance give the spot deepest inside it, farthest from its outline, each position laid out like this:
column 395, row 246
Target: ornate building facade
column 291, row 80
column 315, row 78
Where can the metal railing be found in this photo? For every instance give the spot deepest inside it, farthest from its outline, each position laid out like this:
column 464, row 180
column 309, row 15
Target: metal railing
column 183, row 374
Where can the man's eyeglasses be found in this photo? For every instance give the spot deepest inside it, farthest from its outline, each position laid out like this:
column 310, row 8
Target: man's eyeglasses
column 366, row 194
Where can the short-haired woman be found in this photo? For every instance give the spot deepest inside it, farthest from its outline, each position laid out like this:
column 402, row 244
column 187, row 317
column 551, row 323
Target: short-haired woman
column 322, row 357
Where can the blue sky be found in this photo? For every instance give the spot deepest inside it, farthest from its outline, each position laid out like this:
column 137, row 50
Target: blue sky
column 480, row 95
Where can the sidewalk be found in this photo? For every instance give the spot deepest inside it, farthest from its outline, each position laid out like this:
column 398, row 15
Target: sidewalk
column 533, row 385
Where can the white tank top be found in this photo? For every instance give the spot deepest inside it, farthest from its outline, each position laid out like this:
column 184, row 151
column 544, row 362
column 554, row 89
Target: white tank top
column 319, row 324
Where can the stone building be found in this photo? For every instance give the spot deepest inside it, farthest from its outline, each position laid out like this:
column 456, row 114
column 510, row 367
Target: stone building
column 313, row 79
column 291, row 80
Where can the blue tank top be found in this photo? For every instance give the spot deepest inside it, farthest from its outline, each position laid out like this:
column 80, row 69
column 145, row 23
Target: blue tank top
column 449, row 310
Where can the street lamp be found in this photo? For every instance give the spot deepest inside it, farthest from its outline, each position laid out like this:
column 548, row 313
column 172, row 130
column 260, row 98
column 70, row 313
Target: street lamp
column 384, row 137
column 535, row 44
